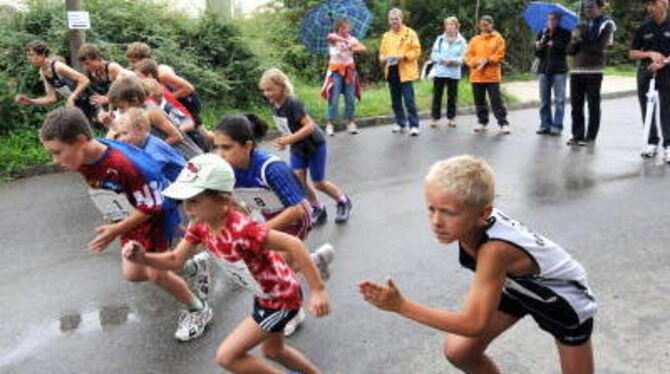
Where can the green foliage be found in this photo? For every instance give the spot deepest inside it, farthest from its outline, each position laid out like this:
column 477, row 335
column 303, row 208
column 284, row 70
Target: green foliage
column 20, row 149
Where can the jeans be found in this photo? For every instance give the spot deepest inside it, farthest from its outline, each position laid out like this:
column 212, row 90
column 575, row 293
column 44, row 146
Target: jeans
column 558, row 83
column 402, row 91
column 479, row 91
column 340, row 87
column 585, row 86
column 452, row 95
column 663, row 87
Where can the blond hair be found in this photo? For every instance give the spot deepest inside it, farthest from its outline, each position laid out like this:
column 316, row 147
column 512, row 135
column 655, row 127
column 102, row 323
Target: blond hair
column 468, row 177
column 396, row 12
column 452, row 19
column 136, row 119
column 278, row 78
column 152, row 88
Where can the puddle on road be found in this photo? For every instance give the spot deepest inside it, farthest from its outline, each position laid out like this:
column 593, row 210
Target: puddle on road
column 35, row 338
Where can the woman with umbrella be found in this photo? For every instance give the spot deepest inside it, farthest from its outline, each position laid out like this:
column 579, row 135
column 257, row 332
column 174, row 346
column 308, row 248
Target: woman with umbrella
column 342, row 77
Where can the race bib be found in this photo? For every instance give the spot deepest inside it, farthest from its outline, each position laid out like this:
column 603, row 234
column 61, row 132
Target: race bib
column 113, row 206
column 259, row 199
column 282, row 125
column 239, row 273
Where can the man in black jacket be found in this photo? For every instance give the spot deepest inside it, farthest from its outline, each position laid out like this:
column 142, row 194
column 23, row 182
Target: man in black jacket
column 550, row 48
column 588, row 44
column 651, row 47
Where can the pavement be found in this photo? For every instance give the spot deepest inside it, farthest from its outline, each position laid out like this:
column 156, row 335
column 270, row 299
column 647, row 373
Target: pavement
column 527, row 92
column 66, row 310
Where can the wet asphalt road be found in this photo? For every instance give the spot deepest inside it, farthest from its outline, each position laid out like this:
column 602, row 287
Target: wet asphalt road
column 65, row 310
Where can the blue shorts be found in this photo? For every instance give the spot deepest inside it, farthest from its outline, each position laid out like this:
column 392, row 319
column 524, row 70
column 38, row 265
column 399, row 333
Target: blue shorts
column 316, row 162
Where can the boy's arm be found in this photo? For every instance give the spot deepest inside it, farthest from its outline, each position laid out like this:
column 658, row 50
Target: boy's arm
column 81, row 79
column 172, row 260
column 163, row 123
column 480, row 306
column 107, row 233
column 281, row 242
column 184, row 87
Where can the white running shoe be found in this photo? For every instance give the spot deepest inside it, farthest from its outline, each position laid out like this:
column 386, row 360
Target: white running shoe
column 322, row 258
column 667, row 155
column 649, row 151
column 192, row 324
column 330, row 129
column 293, row 324
column 415, row 131
column 397, row 129
column 352, row 128
column 505, row 130
column 479, row 128
column 202, row 280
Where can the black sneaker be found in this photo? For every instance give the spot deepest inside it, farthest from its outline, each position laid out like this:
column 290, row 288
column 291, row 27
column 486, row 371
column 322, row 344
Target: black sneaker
column 574, row 142
column 319, row 216
column 343, row 211
column 543, row 132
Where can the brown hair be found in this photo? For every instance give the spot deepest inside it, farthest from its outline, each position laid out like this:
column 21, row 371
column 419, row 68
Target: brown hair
column 148, row 67
column 39, row 47
column 138, row 50
column 128, row 89
column 226, row 198
column 340, row 23
column 65, row 125
column 89, row 51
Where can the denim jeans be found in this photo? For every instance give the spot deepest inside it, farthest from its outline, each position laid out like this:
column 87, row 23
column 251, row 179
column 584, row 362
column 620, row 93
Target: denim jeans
column 557, row 82
column 340, row 87
column 402, row 91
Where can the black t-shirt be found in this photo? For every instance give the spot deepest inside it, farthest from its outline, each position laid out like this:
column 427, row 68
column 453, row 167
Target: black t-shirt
column 653, row 37
column 288, row 117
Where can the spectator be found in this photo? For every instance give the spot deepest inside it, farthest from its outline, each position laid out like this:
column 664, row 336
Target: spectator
column 588, row 44
column 550, row 49
column 342, row 77
column 650, row 48
column 484, row 56
column 399, row 52
column 447, row 55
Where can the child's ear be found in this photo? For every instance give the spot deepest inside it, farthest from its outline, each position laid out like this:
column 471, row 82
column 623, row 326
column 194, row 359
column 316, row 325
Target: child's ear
column 486, row 212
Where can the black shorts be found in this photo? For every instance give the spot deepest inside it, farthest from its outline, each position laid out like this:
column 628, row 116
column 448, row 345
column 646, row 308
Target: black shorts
column 272, row 320
column 571, row 333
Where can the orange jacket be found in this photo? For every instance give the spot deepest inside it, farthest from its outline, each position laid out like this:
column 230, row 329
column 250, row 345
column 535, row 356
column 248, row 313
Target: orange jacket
column 486, row 46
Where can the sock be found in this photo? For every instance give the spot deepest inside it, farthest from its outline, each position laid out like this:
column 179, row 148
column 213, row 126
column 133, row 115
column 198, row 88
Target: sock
column 317, row 205
column 196, row 305
column 342, row 199
column 190, row 269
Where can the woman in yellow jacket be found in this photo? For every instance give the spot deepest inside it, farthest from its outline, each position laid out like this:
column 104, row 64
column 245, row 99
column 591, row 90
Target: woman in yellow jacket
column 484, row 56
column 399, row 52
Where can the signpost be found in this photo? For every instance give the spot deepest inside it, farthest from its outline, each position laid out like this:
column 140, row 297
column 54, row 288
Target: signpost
column 77, row 21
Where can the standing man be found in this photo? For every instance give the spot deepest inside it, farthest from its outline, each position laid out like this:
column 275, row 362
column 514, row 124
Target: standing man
column 550, row 48
column 651, row 47
column 399, row 52
column 588, row 44
column 485, row 55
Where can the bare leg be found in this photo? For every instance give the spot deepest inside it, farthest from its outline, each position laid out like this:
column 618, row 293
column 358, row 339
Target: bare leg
column 233, row 352
column 329, row 189
column 310, row 192
column 576, row 359
column 468, row 354
column 289, row 357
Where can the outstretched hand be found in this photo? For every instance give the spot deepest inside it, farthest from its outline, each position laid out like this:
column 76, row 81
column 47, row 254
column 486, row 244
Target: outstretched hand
column 386, row 297
column 105, row 235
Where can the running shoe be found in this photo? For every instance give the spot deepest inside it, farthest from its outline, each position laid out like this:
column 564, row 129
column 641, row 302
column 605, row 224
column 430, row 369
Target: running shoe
column 193, row 323
column 397, row 129
column 649, row 151
column 352, row 128
column 505, row 130
column 415, row 131
column 322, row 258
column 319, row 216
column 343, row 210
column 293, row 324
column 330, row 129
column 479, row 128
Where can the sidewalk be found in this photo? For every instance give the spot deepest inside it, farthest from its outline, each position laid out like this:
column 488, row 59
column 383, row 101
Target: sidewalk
column 528, row 92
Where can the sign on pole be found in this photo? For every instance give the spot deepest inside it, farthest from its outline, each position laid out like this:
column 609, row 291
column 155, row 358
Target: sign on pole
column 78, row 20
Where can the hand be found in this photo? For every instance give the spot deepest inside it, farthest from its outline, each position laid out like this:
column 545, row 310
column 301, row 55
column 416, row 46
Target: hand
column 383, row 297
column 448, row 62
column 133, row 252
column 70, row 102
column 22, row 100
column 105, row 235
column 99, row 100
column 482, row 63
column 282, row 142
column 656, row 66
column 319, row 303
column 106, row 118
column 656, row 57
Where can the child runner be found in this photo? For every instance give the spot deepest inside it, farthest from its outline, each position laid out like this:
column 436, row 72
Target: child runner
column 307, row 145
column 267, row 186
column 58, row 79
column 125, row 169
column 127, row 92
column 206, row 186
column 100, row 72
column 182, row 89
column 517, row 273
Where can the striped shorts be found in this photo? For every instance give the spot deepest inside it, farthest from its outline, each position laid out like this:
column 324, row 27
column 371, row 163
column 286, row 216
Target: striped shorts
column 272, row 320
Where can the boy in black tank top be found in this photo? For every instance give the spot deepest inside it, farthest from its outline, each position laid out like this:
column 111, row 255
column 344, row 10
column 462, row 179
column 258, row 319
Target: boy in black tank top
column 517, row 272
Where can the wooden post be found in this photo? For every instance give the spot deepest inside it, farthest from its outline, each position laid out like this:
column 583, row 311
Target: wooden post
column 75, row 37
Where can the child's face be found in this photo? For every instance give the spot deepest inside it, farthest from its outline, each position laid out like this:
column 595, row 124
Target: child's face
column 69, row 156
column 235, row 153
column 203, row 209
column 130, row 135
column 273, row 92
column 91, row 64
column 34, row 58
column 450, row 218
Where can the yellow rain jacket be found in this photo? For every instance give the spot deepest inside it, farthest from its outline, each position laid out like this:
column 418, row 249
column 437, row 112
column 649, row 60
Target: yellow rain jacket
column 403, row 43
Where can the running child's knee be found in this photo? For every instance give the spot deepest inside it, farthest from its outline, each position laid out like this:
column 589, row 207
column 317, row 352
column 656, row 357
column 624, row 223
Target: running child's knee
column 134, row 275
column 272, row 351
column 458, row 355
column 321, row 186
column 225, row 358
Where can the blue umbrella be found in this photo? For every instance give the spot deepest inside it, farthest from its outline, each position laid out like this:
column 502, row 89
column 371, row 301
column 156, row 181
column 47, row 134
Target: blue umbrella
column 537, row 12
column 319, row 21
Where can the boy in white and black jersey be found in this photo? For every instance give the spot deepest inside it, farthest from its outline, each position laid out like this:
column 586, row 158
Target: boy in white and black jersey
column 517, row 273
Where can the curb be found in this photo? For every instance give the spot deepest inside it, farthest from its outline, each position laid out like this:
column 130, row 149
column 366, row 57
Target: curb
column 34, row 171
